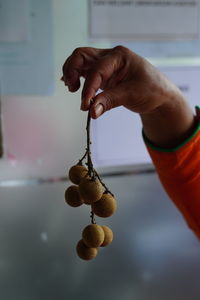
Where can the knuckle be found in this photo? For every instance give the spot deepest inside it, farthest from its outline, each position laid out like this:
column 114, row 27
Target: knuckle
column 120, row 49
column 109, row 102
column 81, row 51
column 77, row 51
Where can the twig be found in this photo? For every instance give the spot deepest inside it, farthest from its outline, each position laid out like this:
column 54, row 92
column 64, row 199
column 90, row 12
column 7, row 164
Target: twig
column 106, row 189
column 89, row 160
column 92, row 217
column 80, row 160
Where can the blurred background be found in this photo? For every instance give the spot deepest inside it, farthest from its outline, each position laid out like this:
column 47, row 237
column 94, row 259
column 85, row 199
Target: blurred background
column 42, row 130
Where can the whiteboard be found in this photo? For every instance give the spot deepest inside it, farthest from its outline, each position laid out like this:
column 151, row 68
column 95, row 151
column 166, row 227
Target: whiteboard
column 117, row 139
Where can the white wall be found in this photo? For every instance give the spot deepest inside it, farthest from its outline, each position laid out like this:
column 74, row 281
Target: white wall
column 44, row 136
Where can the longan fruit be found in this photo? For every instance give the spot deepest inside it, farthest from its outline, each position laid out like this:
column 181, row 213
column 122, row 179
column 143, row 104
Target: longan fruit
column 76, row 173
column 85, row 252
column 91, row 190
column 108, row 236
column 72, row 196
column 93, row 235
column 105, row 207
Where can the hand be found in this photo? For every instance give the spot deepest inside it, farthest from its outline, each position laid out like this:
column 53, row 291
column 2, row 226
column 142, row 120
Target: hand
column 126, row 79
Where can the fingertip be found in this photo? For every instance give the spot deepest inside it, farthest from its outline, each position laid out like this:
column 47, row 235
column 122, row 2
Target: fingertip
column 86, row 103
column 84, row 106
column 73, row 86
column 71, row 89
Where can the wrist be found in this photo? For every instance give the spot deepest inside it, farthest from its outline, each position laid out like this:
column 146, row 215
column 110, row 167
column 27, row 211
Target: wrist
column 169, row 124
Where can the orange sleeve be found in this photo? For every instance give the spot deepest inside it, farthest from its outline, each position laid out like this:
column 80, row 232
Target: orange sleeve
column 179, row 173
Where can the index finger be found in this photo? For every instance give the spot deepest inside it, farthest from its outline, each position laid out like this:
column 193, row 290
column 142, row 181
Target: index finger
column 78, row 64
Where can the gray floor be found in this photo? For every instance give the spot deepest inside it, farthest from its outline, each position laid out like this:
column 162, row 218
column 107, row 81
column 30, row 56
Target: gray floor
column 153, row 256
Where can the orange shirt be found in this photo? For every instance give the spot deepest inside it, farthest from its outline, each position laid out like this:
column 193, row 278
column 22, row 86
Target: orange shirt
column 179, row 172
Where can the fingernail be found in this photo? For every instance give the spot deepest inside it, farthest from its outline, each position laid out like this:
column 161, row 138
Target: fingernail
column 98, row 109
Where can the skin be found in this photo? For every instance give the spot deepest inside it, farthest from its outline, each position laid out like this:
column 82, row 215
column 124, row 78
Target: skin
column 127, row 79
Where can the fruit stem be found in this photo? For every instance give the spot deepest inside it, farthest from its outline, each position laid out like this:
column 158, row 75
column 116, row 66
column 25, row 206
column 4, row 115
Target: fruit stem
column 88, row 152
column 106, row 189
column 80, row 160
column 91, row 171
column 92, row 217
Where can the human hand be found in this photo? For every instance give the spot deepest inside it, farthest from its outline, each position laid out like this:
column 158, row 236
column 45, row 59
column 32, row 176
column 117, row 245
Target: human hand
column 124, row 77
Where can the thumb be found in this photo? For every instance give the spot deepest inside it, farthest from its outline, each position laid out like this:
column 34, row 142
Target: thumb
column 103, row 102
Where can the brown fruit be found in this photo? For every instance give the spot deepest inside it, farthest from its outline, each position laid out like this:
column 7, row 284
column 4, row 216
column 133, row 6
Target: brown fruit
column 105, row 207
column 85, row 252
column 108, row 236
column 76, row 173
column 93, row 235
column 90, row 190
column 72, row 196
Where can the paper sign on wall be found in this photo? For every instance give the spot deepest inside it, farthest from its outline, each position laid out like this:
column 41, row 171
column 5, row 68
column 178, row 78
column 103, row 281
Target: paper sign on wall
column 26, row 47
column 144, row 19
column 14, row 20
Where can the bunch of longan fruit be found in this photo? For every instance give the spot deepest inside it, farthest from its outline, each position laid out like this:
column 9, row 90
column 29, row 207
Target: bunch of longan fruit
column 89, row 189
